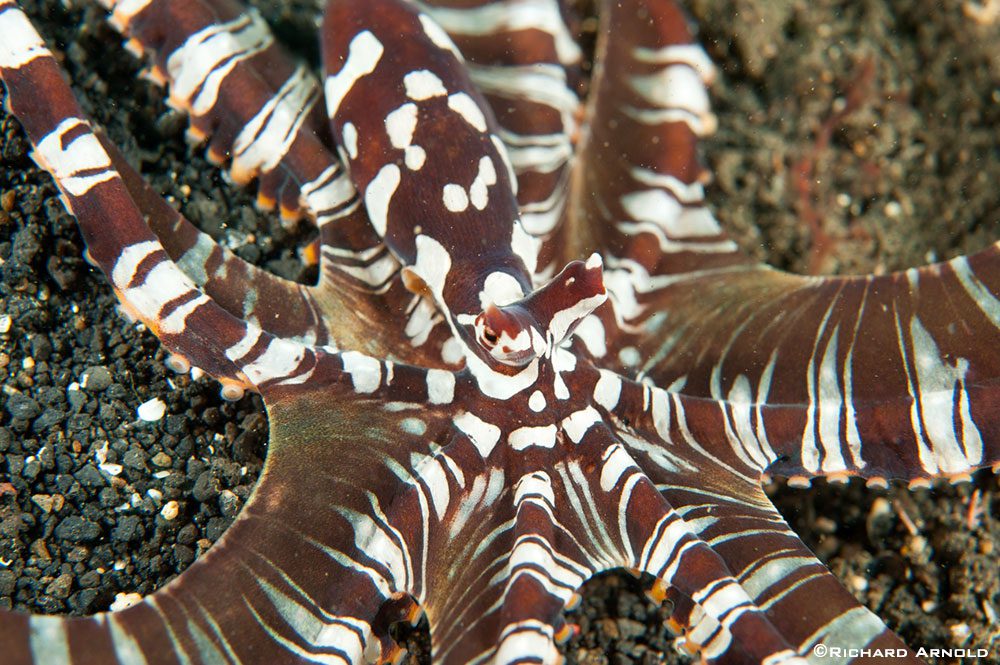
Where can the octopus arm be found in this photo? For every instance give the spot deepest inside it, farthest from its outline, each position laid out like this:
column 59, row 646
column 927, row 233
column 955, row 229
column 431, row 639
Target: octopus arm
column 884, row 377
column 312, row 570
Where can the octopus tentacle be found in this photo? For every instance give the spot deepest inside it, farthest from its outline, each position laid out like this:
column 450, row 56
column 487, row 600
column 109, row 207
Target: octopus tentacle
column 150, row 286
column 796, row 591
column 513, row 576
column 520, row 554
column 243, row 93
column 263, row 592
column 722, row 501
column 646, row 533
column 889, row 377
column 637, row 187
column 284, row 148
column 819, row 375
column 636, row 192
column 281, row 306
column 313, row 315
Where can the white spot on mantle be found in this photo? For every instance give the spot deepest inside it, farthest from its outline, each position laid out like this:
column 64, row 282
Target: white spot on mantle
column 454, row 197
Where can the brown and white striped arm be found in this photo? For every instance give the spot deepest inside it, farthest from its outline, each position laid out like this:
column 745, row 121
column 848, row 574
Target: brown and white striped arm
column 890, row 377
column 257, row 107
column 637, row 185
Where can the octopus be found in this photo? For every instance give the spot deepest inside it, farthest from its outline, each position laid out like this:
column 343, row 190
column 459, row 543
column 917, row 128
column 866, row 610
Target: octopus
column 531, row 355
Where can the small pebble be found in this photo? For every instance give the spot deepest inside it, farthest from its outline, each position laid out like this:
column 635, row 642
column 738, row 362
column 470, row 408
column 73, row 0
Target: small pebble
column 152, row 410
column 111, row 469
column 76, row 529
column 826, row 525
column 95, row 379
column 170, row 510
column 60, row 586
column 229, row 504
column 630, row 628
column 43, row 501
column 21, row 406
column 960, row 632
column 134, row 458
column 123, row 601
column 609, row 627
column 75, row 396
column 41, row 550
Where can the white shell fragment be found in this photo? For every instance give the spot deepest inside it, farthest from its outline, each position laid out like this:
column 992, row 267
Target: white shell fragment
column 152, row 410
column 123, row 601
column 170, row 510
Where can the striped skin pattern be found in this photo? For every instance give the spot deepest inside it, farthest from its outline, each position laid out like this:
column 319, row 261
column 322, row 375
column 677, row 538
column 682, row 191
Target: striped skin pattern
column 532, row 354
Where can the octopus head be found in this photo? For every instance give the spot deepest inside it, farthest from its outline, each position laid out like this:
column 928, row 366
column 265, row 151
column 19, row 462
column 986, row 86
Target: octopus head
column 517, row 333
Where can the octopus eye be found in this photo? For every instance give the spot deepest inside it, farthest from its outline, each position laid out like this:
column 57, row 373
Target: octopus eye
column 490, row 338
